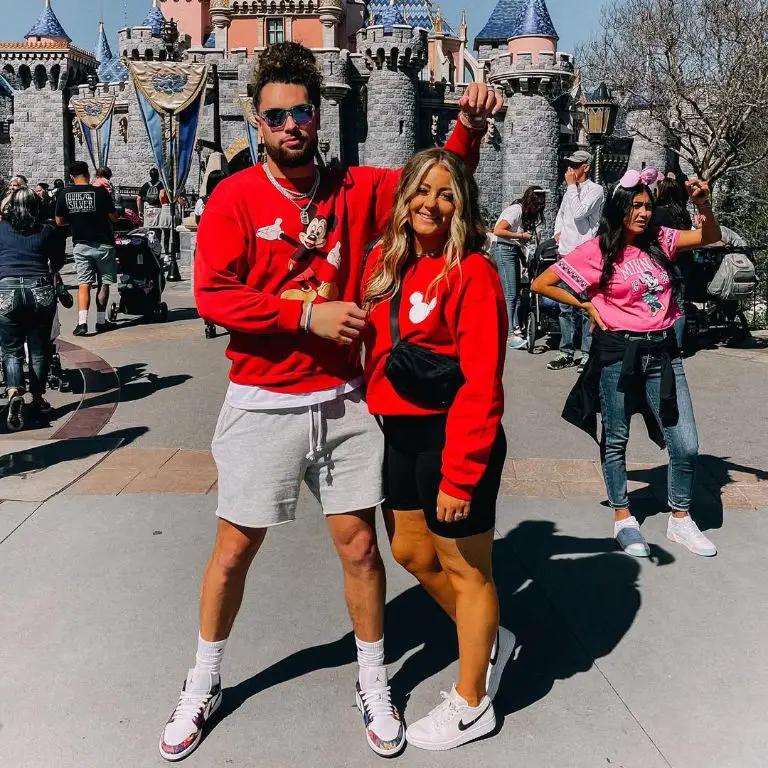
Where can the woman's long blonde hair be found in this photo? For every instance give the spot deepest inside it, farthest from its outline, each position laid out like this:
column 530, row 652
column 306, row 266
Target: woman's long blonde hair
column 467, row 232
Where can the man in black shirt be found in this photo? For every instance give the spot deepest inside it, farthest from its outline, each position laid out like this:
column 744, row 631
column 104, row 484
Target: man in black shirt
column 89, row 211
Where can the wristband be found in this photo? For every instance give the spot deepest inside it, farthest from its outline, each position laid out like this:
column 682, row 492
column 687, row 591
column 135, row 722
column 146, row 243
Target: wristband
column 475, row 123
column 308, row 318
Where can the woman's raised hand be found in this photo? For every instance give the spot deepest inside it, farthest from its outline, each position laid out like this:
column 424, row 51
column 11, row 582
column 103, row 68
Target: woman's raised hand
column 698, row 191
column 594, row 315
column 480, row 102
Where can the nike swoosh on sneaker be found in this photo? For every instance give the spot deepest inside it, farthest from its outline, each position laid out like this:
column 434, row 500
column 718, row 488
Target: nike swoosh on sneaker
column 465, row 726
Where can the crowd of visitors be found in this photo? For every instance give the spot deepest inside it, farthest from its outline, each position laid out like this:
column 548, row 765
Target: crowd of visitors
column 35, row 224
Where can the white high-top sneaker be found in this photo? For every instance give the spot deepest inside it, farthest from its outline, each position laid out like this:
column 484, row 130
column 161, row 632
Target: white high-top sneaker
column 452, row 723
column 684, row 531
column 501, row 653
column 200, row 698
column 384, row 730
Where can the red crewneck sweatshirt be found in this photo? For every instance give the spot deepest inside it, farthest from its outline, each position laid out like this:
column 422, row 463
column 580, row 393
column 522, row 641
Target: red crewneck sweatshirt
column 256, row 265
column 463, row 317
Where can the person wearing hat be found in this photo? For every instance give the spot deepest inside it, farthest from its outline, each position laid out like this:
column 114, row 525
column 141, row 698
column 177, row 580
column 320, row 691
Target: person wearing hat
column 577, row 222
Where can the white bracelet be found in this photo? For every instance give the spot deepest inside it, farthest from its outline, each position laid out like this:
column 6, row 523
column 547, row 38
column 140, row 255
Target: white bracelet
column 308, row 318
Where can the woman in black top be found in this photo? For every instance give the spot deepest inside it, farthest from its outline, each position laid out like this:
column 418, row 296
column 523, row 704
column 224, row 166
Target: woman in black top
column 29, row 251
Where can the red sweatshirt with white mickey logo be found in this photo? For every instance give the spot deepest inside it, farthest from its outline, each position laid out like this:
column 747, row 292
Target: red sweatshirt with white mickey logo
column 463, row 317
column 256, row 265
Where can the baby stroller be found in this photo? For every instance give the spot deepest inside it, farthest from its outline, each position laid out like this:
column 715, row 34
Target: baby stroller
column 705, row 312
column 140, row 274
column 542, row 317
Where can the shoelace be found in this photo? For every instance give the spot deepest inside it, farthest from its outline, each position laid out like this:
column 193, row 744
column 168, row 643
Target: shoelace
column 689, row 528
column 378, row 702
column 190, row 706
column 444, row 712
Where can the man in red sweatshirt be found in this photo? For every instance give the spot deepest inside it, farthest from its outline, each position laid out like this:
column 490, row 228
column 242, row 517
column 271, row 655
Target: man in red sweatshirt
column 279, row 263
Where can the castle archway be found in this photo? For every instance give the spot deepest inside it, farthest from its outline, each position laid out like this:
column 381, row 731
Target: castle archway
column 41, row 77
column 25, row 77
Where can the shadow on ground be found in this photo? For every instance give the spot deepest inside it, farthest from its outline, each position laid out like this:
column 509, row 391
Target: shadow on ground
column 29, row 460
column 712, row 477
column 597, row 599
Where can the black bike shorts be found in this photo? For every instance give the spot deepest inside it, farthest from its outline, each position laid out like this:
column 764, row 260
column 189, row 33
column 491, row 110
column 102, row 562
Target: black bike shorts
column 413, row 471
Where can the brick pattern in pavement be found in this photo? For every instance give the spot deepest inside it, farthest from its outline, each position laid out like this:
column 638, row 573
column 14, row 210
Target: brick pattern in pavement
column 167, row 470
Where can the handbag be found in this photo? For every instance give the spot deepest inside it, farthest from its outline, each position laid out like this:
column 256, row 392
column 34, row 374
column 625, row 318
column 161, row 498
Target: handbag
column 417, row 374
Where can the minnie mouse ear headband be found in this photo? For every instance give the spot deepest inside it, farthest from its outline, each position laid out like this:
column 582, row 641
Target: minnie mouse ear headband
column 632, row 179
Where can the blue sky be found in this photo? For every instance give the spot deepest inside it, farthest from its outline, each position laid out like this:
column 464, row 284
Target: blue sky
column 575, row 20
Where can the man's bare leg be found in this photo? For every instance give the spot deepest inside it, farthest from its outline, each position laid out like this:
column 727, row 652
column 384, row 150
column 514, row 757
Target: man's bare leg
column 354, row 536
column 221, row 592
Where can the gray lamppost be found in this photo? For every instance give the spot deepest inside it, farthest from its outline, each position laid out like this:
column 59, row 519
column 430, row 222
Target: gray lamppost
column 601, row 111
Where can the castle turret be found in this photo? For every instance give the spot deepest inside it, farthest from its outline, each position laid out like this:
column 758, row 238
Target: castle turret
column 42, row 71
column 533, row 75
column 144, row 43
column 47, row 28
column 221, row 20
column 394, row 54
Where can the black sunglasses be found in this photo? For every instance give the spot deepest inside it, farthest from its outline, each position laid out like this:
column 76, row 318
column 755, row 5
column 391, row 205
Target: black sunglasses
column 302, row 115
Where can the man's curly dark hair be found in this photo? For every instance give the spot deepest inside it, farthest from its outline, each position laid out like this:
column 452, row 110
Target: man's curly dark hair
column 289, row 63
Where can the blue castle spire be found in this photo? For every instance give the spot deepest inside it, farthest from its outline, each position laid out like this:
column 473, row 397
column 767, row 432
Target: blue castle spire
column 389, row 15
column 154, row 19
column 501, row 23
column 47, row 25
column 102, row 51
column 111, row 69
column 534, row 21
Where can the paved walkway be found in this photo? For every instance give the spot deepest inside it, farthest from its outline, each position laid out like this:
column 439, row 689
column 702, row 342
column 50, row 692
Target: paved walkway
column 622, row 662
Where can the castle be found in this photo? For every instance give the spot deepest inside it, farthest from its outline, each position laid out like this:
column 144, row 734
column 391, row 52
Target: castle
column 393, row 75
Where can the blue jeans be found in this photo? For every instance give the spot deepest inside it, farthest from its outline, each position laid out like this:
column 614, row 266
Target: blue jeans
column 27, row 309
column 568, row 320
column 508, row 261
column 682, row 439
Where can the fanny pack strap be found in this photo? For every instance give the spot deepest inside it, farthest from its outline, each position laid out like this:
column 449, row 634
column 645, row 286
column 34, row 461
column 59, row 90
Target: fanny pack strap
column 394, row 316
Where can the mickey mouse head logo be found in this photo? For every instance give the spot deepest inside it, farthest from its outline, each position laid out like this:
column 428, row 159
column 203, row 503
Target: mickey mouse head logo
column 420, row 310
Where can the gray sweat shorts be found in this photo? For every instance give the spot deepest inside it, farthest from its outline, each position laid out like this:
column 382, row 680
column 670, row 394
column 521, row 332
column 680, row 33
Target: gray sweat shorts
column 262, row 457
column 95, row 264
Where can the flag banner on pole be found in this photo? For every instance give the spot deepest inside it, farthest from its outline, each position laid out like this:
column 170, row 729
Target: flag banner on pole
column 251, row 126
column 95, row 117
column 171, row 97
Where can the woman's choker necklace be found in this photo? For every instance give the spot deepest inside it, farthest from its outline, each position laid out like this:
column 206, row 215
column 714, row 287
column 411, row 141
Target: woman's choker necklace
column 432, row 253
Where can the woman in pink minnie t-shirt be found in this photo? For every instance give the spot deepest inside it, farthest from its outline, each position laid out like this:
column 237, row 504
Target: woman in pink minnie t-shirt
column 624, row 279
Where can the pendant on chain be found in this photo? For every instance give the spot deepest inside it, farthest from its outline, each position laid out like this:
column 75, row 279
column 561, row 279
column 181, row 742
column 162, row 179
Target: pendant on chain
column 305, row 217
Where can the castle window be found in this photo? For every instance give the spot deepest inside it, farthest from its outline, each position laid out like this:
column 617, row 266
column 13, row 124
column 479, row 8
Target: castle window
column 275, row 31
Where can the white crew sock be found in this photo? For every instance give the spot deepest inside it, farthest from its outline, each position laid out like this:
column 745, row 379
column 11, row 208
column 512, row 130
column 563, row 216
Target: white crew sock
column 209, row 655
column 101, row 317
column 82, row 317
column 370, row 657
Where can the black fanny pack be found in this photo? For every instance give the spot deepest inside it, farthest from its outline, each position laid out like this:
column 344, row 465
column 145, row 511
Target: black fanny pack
column 416, row 374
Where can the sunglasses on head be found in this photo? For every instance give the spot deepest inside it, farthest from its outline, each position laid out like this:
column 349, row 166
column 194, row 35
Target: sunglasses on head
column 276, row 118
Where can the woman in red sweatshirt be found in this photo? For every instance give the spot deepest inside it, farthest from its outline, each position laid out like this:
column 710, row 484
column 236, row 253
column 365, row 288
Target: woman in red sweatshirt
column 429, row 283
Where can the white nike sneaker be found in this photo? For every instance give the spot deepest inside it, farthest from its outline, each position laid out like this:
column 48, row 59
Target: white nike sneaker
column 452, row 723
column 200, row 698
column 684, row 531
column 501, row 653
column 384, row 730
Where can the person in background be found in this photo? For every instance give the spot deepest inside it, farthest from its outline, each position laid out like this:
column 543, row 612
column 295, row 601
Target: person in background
column 671, row 209
column 30, row 251
column 443, row 460
column 17, row 182
column 150, row 201
column 49, row 205
column 627, row 276
column 104, row 179
column 577, row 222
column 672, row 212
column 90, row 212
column 517, row 229
column 214, row 179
